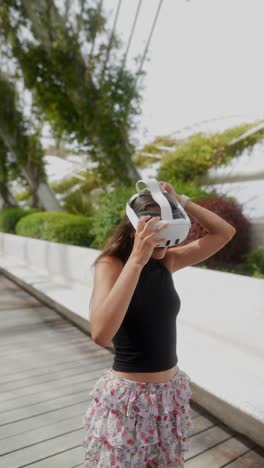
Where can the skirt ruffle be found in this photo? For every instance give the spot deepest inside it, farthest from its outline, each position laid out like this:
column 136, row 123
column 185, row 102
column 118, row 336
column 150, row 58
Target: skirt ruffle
column 130, row 425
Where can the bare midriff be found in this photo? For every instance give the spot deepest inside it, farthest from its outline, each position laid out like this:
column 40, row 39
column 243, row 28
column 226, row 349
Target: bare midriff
column 147, row 377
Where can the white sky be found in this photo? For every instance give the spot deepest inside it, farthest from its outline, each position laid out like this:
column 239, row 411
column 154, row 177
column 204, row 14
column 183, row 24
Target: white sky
column 205, row 59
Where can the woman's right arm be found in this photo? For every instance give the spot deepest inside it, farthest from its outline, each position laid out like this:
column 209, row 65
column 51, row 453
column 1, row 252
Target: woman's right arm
column 114, row 285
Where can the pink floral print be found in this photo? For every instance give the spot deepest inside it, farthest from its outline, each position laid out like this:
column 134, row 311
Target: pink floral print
column 129, row 424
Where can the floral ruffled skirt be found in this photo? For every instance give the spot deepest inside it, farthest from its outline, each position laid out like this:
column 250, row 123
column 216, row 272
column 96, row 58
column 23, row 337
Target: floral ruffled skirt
column 129, row 424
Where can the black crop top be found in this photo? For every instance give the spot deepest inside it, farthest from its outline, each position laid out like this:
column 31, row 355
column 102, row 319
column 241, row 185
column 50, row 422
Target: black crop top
column 147, row 338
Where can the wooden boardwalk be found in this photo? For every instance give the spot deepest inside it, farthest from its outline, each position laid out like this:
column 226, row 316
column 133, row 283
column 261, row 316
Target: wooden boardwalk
column 48, row 367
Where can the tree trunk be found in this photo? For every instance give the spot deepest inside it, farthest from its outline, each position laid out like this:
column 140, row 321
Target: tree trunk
column 44, row 196
column 41, row 188
column 133, row 173
column 7, row 199
column 47, row 197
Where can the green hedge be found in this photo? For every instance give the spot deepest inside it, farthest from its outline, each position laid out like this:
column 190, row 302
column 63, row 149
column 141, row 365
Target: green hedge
column 57, row 227
column 110, row 209
column 10, row 217
column 253, row 264
column 199, row 152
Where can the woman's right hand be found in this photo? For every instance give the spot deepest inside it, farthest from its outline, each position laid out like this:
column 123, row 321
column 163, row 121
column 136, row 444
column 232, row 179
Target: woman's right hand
column 144, row 240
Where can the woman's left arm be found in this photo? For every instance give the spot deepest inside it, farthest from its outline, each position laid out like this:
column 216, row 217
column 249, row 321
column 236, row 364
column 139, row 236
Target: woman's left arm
column 219, row 234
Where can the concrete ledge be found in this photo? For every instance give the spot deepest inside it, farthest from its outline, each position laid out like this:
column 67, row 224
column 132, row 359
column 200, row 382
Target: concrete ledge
column 219, row 328
column 234, row 417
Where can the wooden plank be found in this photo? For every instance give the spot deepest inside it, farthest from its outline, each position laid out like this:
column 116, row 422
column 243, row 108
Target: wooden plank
column 43, row 450
column 65, row 459
column 54, row 382
column 206, row 439
column 50, row 346
column 38, row 311
column 35, row 318
column 16, row 304
column 48, row 341
column 56, row 366
column 51, row 405
column 43, row 367
column 252, row 459
column 195, row 413
column 44, row 420
column 12, row 289
column 32, row 356
column 201, row 423
column 61, row 333
column 34, row 330
column 69, row 388
column 214, row 451
column 26, row 439
column 31, row 329
column 35, row 393
column 13, row 298
column 46, row 338
column 37, row 360
column 62, row 325
column 17, row 388
column 19, row 294
column 6, row 283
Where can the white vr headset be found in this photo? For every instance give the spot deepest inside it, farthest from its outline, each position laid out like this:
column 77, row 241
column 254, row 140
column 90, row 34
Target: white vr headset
column 178, row 228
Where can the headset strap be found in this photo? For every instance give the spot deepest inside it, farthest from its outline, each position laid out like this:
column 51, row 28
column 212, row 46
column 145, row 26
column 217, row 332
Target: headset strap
column 156, row 192
column 132, row 215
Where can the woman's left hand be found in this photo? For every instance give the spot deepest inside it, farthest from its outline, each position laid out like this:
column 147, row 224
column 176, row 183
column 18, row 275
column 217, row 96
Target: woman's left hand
column 169, row 188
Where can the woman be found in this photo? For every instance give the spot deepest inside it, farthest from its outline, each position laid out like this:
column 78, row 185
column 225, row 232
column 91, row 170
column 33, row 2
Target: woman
column 139, row 415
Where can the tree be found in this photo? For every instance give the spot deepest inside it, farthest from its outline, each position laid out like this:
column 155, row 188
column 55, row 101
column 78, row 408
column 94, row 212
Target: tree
column 23, row 148
column 7, row 200
column 189, row 159
column 88, row 97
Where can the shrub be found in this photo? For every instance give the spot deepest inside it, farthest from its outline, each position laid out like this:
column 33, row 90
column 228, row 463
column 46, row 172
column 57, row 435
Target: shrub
column 10, row 217
column 108, row 213
column 24, row 195
column 199, row 152
column 88, row 181
column 75, row 193
column 254, row 262
column 77, row 202
column 191, row 158
column 57, row 227
column 155, row 148
column 234, row 251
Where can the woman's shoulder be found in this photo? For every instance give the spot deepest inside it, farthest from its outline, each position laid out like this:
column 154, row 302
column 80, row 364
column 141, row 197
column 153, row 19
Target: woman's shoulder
column 107, row 266
column 111, row 259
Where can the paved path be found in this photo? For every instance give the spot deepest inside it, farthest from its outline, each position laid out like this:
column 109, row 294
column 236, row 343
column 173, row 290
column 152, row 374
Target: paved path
column 48, row 366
